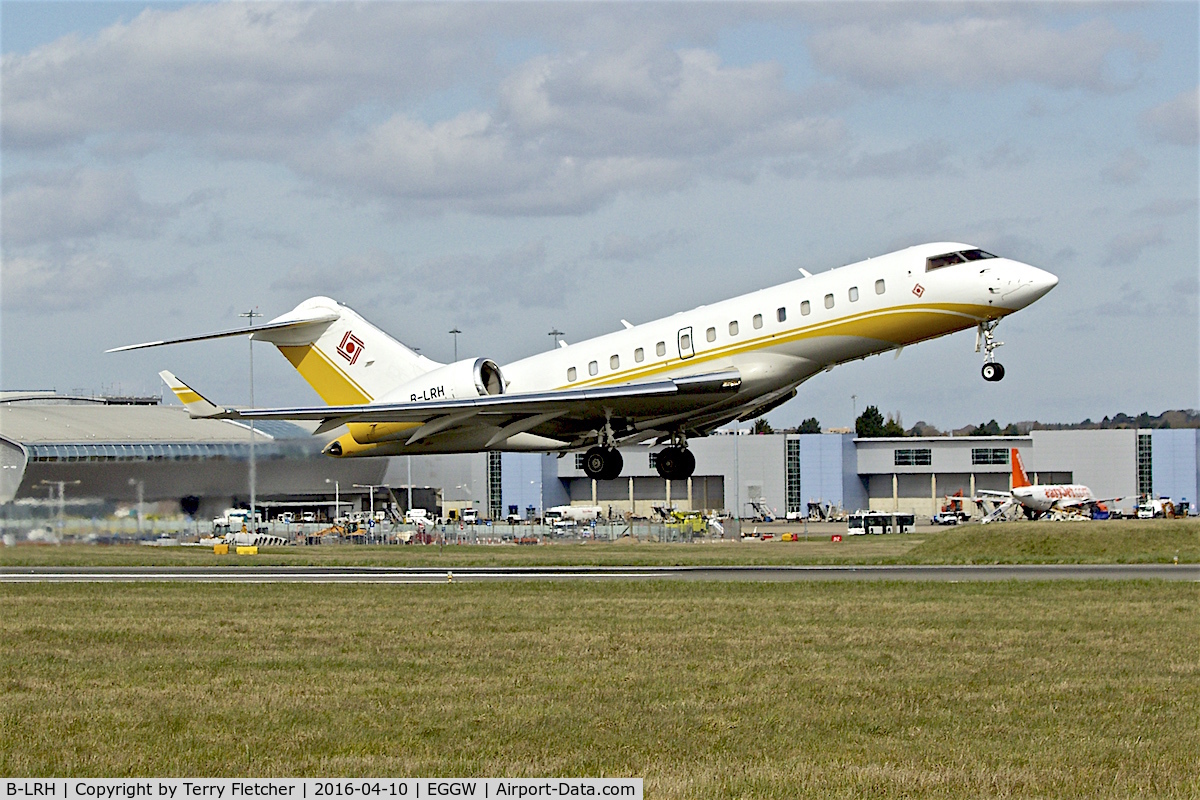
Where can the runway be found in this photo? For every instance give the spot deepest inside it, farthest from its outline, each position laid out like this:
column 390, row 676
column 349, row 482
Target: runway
column 766, row 574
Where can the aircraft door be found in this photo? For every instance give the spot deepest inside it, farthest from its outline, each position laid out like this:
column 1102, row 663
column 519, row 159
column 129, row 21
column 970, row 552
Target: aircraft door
column 686, row 350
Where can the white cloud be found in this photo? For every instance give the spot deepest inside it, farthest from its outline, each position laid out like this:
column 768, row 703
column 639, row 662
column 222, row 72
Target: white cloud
column 238, row 72
column 1128, row 168
column 630, row 249
column 1176, row 121
column 76, row 203
column 974, row 51
column 34, row 284
column 1126, row 248
column 464, row 279
column 569, row 133
column 340, row 94
column 919, row 159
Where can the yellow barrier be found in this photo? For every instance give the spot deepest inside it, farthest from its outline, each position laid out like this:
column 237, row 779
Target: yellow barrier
column 247, row 551
column 221, row 549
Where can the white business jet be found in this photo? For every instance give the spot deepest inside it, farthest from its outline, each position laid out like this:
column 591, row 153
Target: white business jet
column 1038, row 500
column 666, row 380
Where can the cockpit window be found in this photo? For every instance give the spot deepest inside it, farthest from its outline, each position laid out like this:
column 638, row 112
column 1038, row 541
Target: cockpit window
column 937, row 262
column 976, row 255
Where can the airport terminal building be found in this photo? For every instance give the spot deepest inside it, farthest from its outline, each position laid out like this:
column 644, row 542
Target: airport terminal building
column 118, row 450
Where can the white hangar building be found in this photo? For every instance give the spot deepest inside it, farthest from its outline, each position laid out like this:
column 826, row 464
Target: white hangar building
column 113, row 449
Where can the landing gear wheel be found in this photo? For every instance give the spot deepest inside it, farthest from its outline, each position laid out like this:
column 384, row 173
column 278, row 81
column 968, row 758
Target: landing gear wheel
column 615, row 463
column 687, row 465
column 675, row 463
column 602, row 463
column 993, row 371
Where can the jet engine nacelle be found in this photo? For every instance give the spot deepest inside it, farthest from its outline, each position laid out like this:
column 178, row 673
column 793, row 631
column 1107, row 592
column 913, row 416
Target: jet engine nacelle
column 471, row 377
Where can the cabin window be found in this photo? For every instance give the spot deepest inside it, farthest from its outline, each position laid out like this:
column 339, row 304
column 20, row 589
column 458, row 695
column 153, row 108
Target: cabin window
column 711, row 334
column 639, row 355
column 685, row 342
column 571, row 374
column 829, row 301
column 661, row 348
column 781, row 314
column 757, row 321
column 733, row 328
column 805, row 309
column 593, row 368
column 853, row 294
column 614, row 362
column 880, row 287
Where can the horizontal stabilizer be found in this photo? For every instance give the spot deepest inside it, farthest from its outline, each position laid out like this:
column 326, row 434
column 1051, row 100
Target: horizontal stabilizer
column 257, row 332
column 196, row 404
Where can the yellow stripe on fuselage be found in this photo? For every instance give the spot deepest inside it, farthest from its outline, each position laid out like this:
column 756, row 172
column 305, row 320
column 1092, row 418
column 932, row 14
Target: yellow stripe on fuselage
column 901, row 325
column 339, row 389
column 334, row 386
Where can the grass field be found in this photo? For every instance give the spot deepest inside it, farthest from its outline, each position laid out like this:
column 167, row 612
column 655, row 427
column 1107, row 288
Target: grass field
column 1154, row 541
column 729, row 690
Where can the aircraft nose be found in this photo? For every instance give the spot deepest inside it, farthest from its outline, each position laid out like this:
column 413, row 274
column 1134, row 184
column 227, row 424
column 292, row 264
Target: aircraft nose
column 1041, row 282
column 1025, row 284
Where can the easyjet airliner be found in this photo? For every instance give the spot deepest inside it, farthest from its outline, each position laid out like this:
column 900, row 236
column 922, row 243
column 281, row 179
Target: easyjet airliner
column 1038, row 500
column 666, row 380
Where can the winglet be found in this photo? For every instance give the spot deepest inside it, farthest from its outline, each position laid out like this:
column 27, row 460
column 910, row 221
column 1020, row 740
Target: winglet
column 197, row 406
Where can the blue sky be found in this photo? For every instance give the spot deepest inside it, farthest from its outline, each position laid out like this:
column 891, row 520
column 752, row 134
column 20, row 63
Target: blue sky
column 510, row 168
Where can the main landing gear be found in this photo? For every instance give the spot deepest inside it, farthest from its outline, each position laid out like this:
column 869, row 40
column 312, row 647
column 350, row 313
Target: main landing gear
column 603, row 462
column 985, row 339
column 676, row 462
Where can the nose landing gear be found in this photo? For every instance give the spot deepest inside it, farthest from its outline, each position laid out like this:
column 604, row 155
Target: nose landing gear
column 985, row 339
column 993, row 371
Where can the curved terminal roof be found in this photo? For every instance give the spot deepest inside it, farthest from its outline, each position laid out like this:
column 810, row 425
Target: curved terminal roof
column 85, row 424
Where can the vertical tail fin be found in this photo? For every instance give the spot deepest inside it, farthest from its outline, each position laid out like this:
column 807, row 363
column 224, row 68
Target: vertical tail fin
column 347, row 360
column 1018, row 470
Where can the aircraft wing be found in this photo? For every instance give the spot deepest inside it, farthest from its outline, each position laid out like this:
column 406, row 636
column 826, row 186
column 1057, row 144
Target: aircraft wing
column 562, row 415
column 1067, row 502
column 998, row 512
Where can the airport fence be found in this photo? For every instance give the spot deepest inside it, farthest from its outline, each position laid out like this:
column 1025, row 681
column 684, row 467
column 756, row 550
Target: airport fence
column 50, row 528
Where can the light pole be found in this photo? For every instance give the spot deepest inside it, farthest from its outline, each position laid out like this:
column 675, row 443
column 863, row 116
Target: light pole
column 249, row 316
column 337, row 504
column 456, row 332
column 372, row 487
column 62, row 503
column 555, row 333
column 141, row 494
